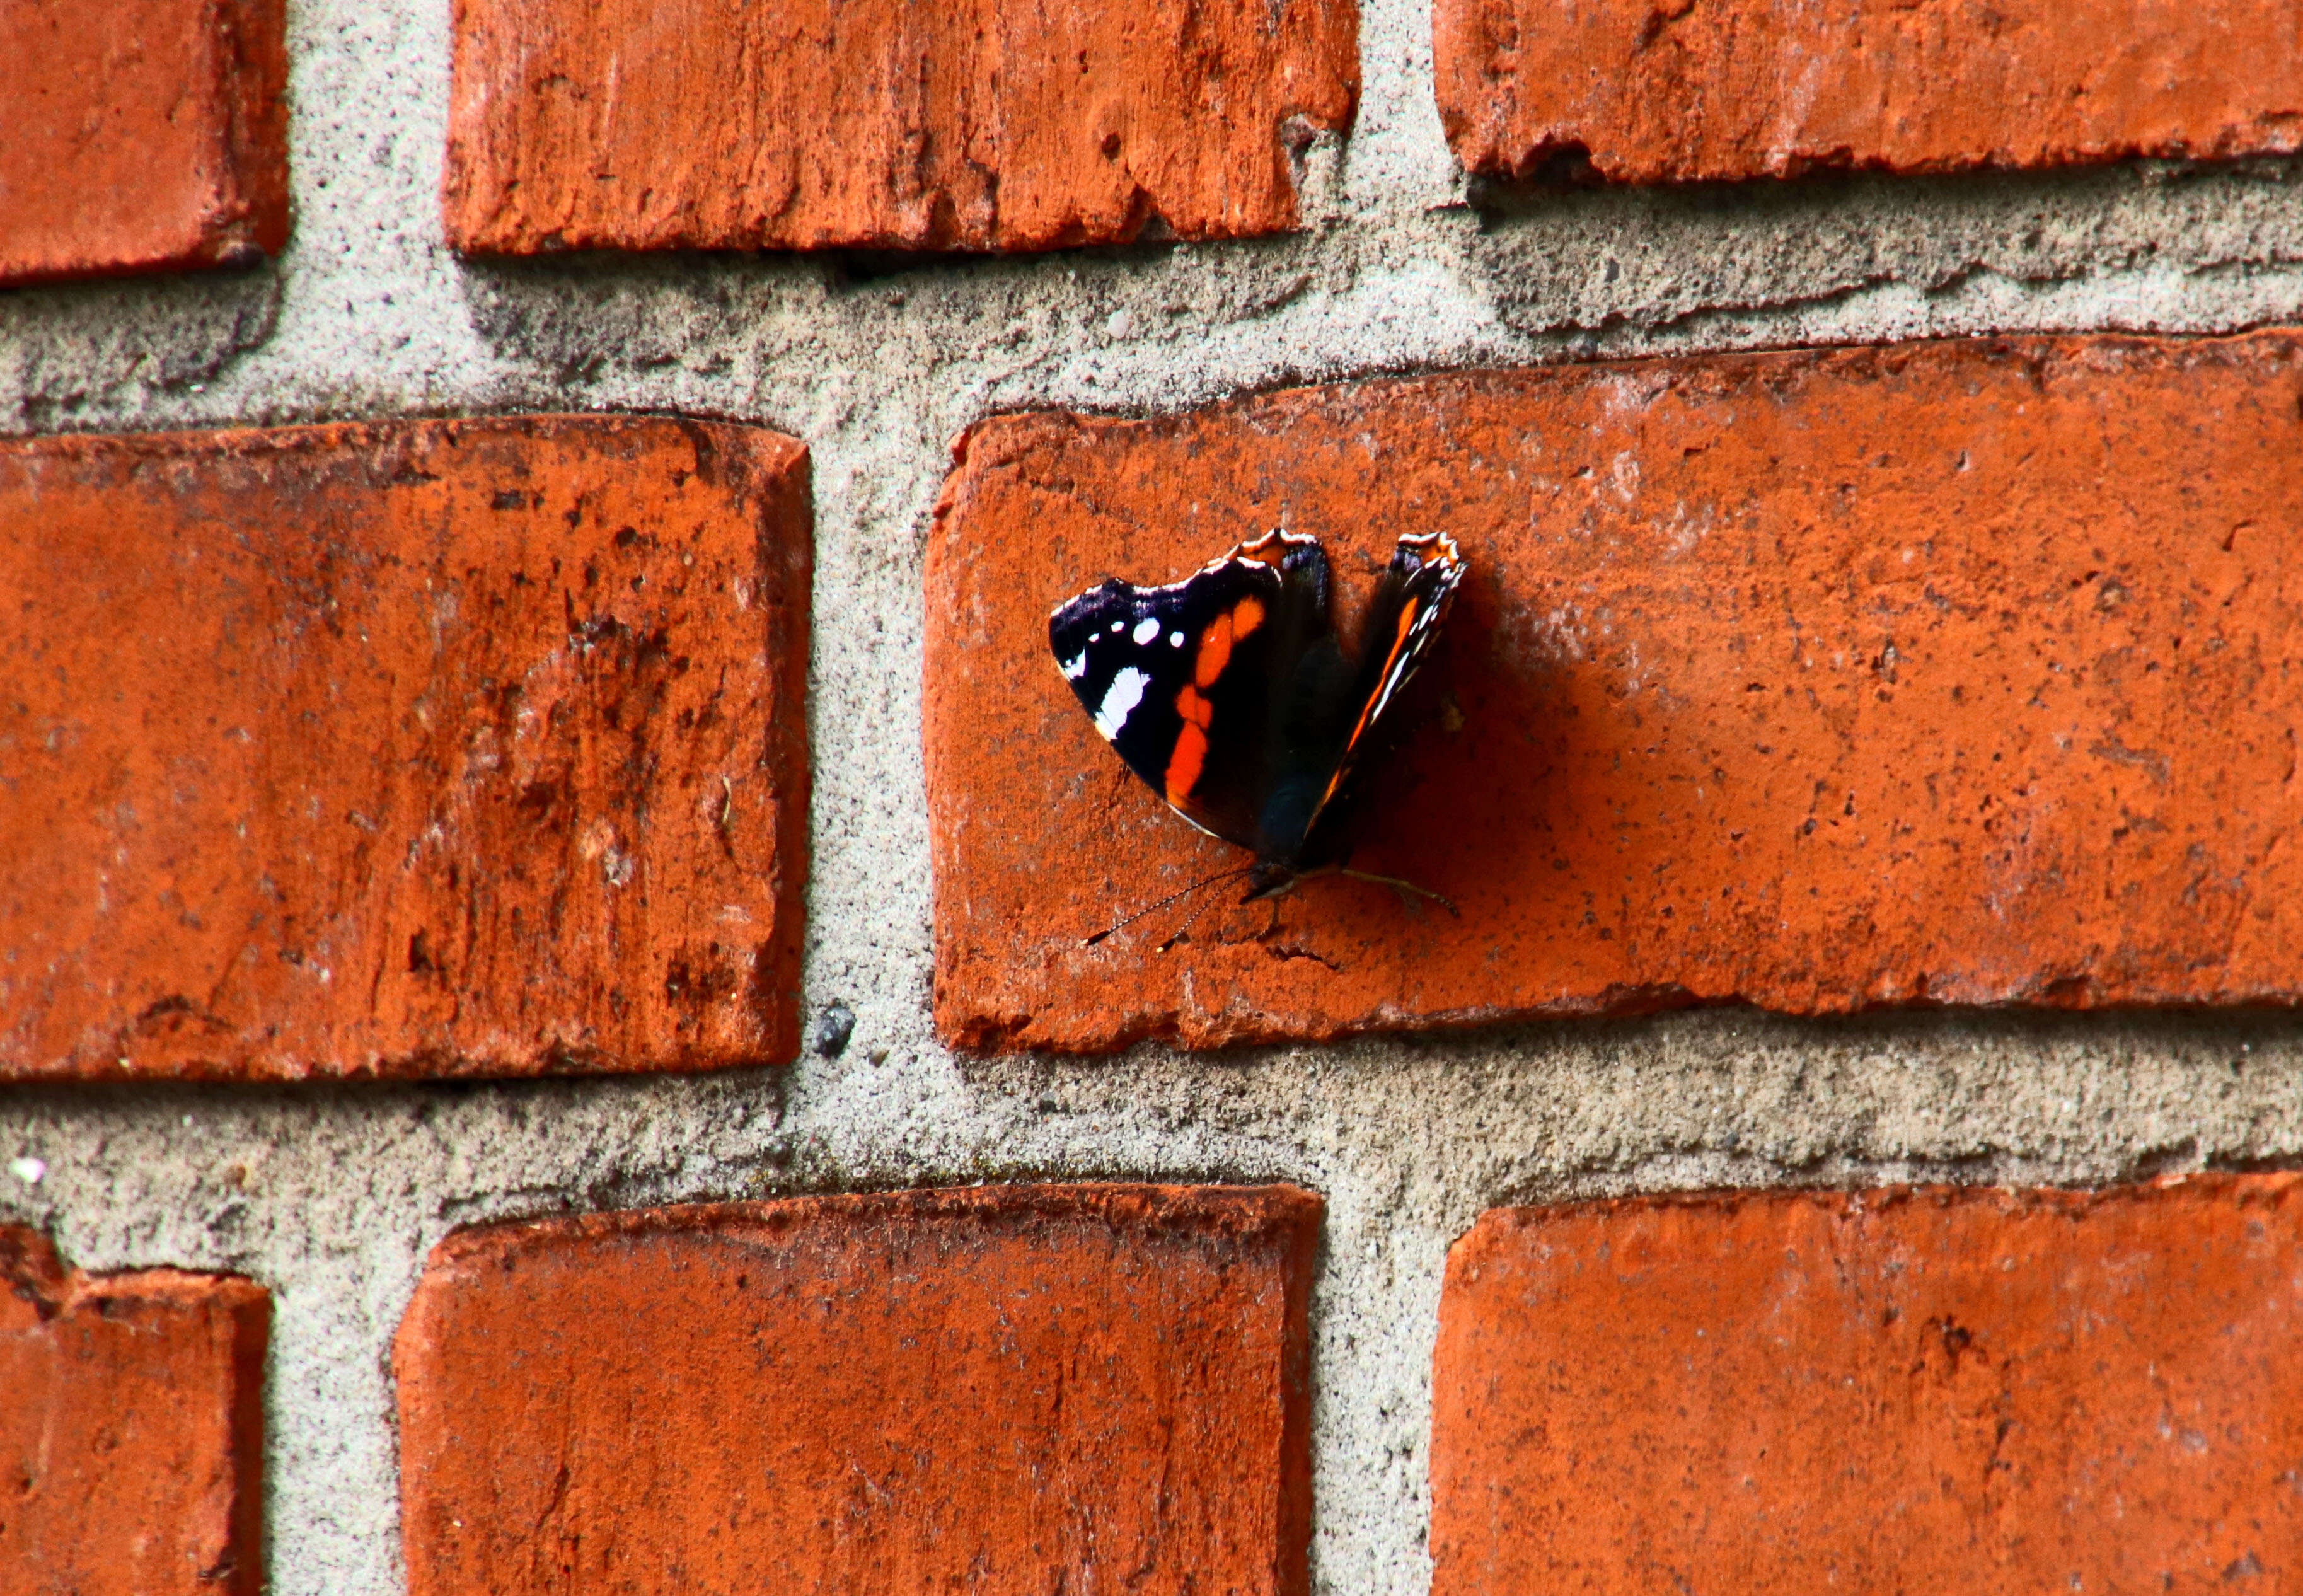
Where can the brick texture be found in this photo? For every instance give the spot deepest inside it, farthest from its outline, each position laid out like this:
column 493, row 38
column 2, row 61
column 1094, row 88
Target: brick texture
column 1022, row 1389
column 422, row 748
column 131, row 1429
column 141, row 135
column 1940, row 1390
column 1635, row 92
column 642, row 125
column 1953, row 671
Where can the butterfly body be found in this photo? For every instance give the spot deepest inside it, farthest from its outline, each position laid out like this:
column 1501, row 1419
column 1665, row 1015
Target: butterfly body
column 1231, row 695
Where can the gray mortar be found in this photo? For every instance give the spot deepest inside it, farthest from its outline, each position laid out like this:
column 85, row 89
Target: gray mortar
column 331, row 1195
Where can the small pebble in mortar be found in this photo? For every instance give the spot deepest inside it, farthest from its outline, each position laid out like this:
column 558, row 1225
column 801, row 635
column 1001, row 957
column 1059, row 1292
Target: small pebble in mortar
column 834, row 1027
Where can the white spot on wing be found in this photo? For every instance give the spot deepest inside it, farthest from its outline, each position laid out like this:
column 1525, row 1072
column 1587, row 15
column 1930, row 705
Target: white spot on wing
column 1145, row 631
column 1175, row 640
column 1074, row 667
column 1118, row 624
column 1119, row 701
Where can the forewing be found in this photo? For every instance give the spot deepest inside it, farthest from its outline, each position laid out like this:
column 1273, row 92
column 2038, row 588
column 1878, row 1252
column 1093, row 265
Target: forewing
column 1174, row 678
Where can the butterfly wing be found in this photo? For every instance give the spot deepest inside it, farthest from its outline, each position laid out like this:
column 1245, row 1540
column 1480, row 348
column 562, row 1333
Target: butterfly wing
column 1403, row 622
column 1179, row 678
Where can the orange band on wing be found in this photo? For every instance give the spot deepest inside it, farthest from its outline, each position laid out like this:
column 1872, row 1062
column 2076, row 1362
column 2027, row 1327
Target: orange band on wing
column 1190, row 754
column 1399, row 641
column 1215, row 643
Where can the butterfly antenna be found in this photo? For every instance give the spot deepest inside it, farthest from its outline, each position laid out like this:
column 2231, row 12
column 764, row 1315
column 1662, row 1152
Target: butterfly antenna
column 1149, row 908
column 1186, row 926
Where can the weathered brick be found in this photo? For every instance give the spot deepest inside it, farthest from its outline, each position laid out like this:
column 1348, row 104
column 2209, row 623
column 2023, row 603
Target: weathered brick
column 141, row 135
column 428, row 747
column 1018, row 1388
column 1634, row 92
column 1941, row 1390
column 1952, row 671
column 131, row 1428
column 649, row 125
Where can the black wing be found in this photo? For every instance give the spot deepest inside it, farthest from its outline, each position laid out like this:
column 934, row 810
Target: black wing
column 1183, row 680
column 1403, row 620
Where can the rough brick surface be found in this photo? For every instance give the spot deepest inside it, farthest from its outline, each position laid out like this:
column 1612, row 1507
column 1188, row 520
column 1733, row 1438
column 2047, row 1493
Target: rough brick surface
column 140, row 134
column 883, row 125
column 1691, row 92
column 1021, row 1388
column 1942, row 1390
column 130, row 1429
column 421, row 748
column 1948, row 671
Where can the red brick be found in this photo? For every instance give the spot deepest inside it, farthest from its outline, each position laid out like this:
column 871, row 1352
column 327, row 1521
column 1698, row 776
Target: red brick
column 141, row 135
column 427, row 747
column 1018, row 1388
column 1941, row 1390
column 1953, row 672
column 656, row 124
column 132, row 1433
column 1690, row 93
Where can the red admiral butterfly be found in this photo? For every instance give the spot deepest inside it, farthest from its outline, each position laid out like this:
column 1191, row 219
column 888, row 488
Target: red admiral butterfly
column 1230, row 693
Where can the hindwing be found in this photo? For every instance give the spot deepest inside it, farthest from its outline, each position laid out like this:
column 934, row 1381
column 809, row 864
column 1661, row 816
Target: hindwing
column 1402, row 623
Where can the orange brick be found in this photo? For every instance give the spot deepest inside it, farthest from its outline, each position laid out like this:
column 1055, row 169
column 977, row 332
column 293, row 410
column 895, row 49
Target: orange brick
column 1942, row 1390
column 1948, row 671
column 1017, row 1389
column 141, row 135
column 428, row 747
column 131, row 1432
column 660, row 125
column 1687, row 93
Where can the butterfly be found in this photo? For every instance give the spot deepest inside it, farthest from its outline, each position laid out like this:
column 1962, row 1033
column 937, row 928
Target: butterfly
column 1230, row 694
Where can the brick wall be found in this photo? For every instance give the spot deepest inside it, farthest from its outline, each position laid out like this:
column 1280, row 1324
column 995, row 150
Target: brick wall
column 144, row 137
column 568, row 1013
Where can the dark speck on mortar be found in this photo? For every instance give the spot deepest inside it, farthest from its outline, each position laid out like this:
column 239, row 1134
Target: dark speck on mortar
column 834, row 1027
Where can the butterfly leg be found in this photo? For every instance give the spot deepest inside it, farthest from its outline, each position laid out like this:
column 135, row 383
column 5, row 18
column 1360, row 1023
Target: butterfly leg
column 1407, row 889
